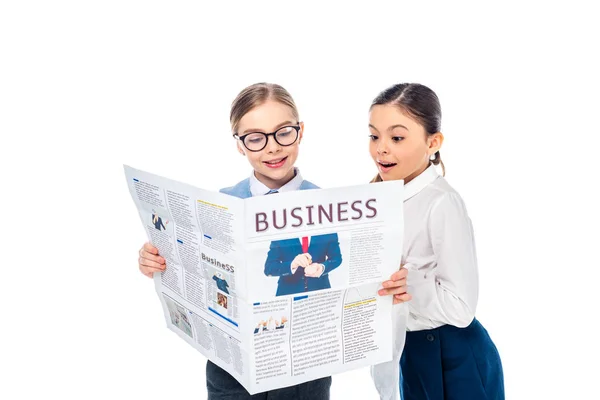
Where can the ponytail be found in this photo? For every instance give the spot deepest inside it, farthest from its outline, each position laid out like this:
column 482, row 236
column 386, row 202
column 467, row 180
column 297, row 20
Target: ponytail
column 438, row 161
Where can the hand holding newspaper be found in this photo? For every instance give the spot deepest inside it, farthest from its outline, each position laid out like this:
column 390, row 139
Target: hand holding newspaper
column 280, row 289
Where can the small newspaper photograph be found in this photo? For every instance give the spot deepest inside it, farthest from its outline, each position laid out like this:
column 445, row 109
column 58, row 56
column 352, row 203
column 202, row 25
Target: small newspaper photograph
column 276, row 290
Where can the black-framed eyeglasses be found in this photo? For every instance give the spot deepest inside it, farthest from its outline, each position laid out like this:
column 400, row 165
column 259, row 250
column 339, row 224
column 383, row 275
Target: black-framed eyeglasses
column 256, row 141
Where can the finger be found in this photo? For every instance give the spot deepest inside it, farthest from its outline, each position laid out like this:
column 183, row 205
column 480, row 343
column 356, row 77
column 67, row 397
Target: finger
column 150, row 249
column 149, row 256
column 392, row 284
column 151, row 264
column 156, row 268
column 400, row 274
column 304, row 262
column 153, row 261
column 387, row 292
column 402, row 298
column 150, row 269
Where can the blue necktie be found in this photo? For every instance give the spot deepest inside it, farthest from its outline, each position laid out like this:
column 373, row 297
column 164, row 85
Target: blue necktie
column 272, row 191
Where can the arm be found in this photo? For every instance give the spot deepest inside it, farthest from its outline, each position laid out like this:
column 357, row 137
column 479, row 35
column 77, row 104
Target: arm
column 449, row 292
column 274, row 266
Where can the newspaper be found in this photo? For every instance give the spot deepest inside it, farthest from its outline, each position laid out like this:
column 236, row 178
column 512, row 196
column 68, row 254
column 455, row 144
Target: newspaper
column 231, row 291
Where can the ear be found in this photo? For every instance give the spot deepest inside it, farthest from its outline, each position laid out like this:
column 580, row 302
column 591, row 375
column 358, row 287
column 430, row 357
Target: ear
column 240, row 148
column 434, row 142
column 301, row 133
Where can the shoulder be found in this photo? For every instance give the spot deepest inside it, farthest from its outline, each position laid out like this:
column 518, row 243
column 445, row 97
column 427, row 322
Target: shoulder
column 308, row 185
column 445, row 200
column 241, row 189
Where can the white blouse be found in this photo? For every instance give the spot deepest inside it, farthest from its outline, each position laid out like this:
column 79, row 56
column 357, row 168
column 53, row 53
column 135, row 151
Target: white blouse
column 439, row 253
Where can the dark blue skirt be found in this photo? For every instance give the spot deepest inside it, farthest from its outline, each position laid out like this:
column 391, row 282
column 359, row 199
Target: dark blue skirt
column 450, row 363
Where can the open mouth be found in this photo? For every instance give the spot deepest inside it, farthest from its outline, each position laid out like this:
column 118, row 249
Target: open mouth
column 275, row 163
column 385, row 166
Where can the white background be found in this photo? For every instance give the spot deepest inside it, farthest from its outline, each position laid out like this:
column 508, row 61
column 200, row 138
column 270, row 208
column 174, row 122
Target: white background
column 88, row 86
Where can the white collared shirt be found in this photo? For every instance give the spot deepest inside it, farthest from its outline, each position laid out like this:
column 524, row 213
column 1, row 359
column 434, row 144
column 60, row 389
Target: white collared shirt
column 439, row 253
column 257, row 188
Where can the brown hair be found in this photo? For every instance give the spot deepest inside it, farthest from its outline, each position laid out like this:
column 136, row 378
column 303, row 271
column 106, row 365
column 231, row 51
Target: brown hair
column 255, row 95
column 421, row 103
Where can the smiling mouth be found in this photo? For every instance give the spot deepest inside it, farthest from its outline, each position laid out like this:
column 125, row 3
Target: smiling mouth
column 386, row 164
column 275, row 163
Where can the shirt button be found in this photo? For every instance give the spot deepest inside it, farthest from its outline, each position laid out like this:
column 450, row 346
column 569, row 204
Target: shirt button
column 430, row 337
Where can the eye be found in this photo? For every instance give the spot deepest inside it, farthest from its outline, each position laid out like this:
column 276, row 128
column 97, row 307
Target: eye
column 373, row 137
column 254, row 138
column 397, row 138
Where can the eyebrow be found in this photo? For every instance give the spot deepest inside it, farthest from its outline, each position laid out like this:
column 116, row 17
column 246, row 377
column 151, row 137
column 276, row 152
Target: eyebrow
column 391, row 128
column 276, row 127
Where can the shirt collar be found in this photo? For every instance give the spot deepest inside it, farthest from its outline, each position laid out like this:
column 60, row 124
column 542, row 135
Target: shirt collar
column 257, row 188
column 420, row 182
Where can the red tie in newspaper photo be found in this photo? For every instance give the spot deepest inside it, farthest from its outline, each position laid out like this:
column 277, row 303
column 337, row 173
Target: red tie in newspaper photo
column 305, row 244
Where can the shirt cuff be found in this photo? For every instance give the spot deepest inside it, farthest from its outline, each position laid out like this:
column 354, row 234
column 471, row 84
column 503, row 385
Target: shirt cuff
column 323, row 271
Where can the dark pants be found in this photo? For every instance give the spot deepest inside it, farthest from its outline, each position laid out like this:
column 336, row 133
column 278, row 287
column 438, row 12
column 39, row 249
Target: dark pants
column 450, row 363
column 222, row 386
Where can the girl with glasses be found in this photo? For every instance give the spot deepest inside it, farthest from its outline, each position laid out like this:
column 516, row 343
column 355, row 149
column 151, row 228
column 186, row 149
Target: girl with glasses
column 265, row 121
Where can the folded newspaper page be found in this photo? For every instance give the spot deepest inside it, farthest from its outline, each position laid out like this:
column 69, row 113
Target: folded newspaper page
column 277, row 290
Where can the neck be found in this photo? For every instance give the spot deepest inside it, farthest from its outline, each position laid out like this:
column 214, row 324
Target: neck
column 418, row 172
column 275, row 183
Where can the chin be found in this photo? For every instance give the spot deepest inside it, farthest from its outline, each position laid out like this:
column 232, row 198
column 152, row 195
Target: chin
column 276, row 175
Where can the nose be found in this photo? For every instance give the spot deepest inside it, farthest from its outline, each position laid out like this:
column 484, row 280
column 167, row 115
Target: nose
column 382, row 146
column 272, row 145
